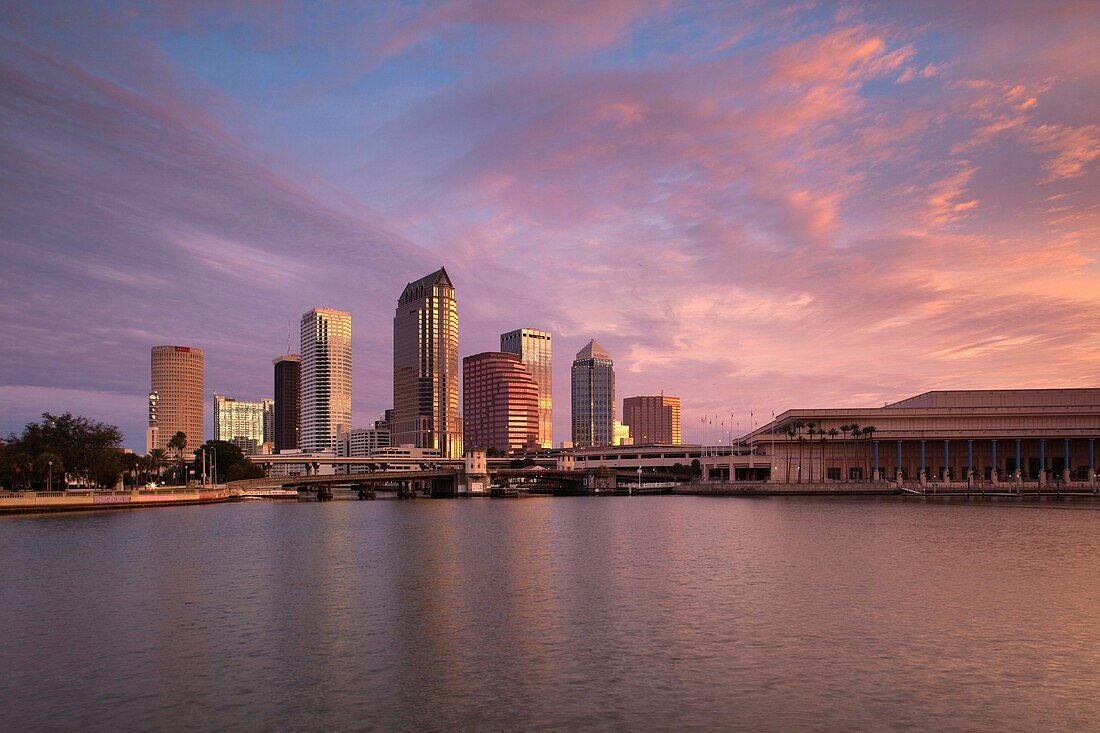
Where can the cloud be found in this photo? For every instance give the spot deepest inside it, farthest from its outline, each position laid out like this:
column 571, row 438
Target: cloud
column 753, row 206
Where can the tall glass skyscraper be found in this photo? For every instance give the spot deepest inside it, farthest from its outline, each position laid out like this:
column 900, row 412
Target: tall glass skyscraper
column 325, row 386
column 425, row 367
column 593, row 397
column 534, row 350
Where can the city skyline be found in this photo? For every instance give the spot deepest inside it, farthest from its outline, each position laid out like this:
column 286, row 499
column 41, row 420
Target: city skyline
column 751, row 207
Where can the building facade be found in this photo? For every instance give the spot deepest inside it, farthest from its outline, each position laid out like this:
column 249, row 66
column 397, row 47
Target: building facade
column 175, row 397
column 653, row 419
column 536, row 352
column 425, row 367
column 1026, row 435
column 500, row 402
column 325, row 378
column 288, row 372
column 593, row 397
column 245, row 424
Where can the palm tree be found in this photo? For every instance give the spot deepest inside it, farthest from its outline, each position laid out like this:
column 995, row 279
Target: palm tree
column 20, row 465
column 868, row 434
column 177, row 443
column 811, row 431
column 49, row 464
column 855, row 430
column 158, row 459
column 821, row 435
column 790, row 433
column 832, row 433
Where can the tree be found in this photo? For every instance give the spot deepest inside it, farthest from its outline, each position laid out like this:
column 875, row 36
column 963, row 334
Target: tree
column 868, row 434
column 833, row 432
column 821, row 435
column 854, row 429
column 177, row 443
column 158, row 459
column 228, row 459
column 81, row 447
column 49, row 467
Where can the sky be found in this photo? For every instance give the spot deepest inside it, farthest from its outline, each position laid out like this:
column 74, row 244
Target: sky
column 753, row 206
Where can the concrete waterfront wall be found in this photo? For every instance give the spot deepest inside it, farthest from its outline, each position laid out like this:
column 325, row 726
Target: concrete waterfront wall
column 744, row 488
column 44, row 501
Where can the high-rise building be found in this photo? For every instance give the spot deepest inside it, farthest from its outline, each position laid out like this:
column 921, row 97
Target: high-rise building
column 175, row 397
column 362, row 443
column 620, row 434
column 242, row 423
column 425, row 367
column 325, row 386
column 653, row 419
column 593, row 397
column 288, row 371
column 534, row 350
column 500, row 402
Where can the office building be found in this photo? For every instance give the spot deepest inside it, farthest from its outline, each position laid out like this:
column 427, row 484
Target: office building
column 425, row 367
column 535, row 351
column 244, row 424
column 288, row 369
column 620, row 434
column 175, row 397
column 325, row 380
column 653, row 419
column 593, row 397
column 500, row 402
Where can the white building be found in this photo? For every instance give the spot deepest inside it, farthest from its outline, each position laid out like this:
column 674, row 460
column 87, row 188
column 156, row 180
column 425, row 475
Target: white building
column 325, row 386
column 245, row 424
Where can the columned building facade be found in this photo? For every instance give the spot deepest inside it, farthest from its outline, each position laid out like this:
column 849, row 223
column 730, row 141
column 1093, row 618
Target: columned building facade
column 1023, row 435
column 325, row 378
column 425, row 367
column 653, row 419
column 536, row 352
column 593, row 397
column 500, row 402
column 175, row 397
column 288, row 370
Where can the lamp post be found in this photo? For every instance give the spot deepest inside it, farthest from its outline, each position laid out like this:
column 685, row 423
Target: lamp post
column 49, row 464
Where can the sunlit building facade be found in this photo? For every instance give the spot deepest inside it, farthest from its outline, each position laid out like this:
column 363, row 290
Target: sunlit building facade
column 175, row 397
column 500, row 402
column 1011, row 435
column 653, row 419
column 536, row 352
column 425, row 367
column 593, row 397
column 245, row 424
column 325, row 381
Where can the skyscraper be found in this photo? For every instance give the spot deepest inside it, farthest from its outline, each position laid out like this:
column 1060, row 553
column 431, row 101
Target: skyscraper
column 325, row 387
column 288, row 372
column 175, row 397
column 534, row 350
column 593, row 397
column 653, row 419
column 425, row 367
column 241, row 423
column 500, row 402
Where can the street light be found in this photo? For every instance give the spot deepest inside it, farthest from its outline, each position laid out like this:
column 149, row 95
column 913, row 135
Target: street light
column 49, row 463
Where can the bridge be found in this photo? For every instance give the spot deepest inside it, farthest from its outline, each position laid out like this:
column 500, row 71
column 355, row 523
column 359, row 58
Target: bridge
column 462, row 477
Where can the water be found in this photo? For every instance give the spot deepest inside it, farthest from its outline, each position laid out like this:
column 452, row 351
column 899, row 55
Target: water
column 646, row 613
